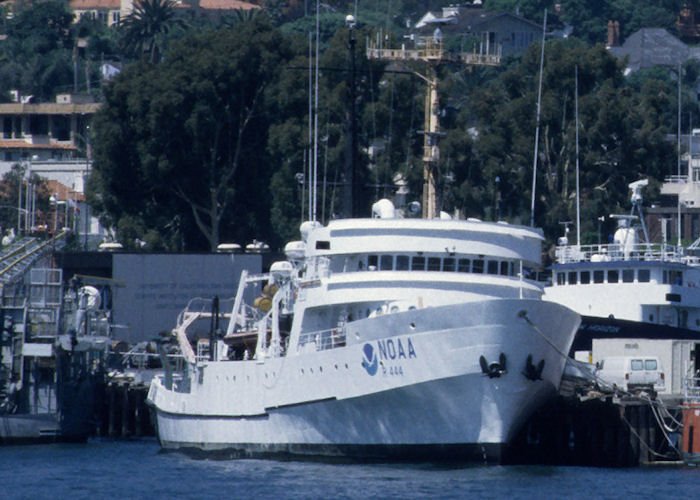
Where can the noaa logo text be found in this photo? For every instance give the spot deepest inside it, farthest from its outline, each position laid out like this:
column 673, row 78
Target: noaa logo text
column 392, row 350
column 388, row 355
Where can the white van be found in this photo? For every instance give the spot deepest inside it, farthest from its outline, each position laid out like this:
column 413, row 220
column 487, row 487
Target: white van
column 631, row 373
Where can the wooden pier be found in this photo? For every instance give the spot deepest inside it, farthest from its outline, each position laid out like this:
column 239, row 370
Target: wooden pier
column 599, row 432
column 124, row 413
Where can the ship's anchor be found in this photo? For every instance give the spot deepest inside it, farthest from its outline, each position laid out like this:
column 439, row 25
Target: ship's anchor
column 531, row 371
column 494, row 369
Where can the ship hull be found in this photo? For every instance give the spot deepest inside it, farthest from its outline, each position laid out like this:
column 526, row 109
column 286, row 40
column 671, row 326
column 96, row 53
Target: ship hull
column 407, row 386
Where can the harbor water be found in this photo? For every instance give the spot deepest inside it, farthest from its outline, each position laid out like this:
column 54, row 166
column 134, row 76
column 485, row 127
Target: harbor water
column 138, row 469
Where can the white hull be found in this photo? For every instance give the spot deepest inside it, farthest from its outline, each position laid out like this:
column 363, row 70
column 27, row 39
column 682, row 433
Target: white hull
column 418, row 388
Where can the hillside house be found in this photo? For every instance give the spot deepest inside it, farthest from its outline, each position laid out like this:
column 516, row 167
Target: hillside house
column 108, row 12
column 650, row 47
column 511, row 32
column 111, row 12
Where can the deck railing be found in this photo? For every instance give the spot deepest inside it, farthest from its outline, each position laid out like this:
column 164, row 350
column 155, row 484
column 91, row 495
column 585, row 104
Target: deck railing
column 203, row 307
column 603, row 253
column 324, row 339
column 676, row 179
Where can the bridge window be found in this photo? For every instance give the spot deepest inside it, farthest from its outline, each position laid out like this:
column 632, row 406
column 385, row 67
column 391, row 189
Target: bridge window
column 492, row 267
column 478, row 266
column 372, row 260
column 448, row 265
column 585, row 277
column 504, row 268
column 643, row 276
column 402, row 262
column 613, row 276
column 675, row 277
column 433, row 263
column 561, row 279
column 628, row 275
column 463, row 265
column 598, row 276
column 418, row 264
column 386, row 262
column 572, row 278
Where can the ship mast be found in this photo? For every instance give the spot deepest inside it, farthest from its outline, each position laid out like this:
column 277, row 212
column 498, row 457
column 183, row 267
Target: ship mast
column 430, row 51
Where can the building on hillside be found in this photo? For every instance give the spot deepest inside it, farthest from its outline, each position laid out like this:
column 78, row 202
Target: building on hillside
column 687, row 187
column 215, row 8
column 51, row 141
column 111, row 12
column 496, row 30
column 200, row 8
column 650, row 47
column 44, row 131
column 688, row 27
column 108, row 12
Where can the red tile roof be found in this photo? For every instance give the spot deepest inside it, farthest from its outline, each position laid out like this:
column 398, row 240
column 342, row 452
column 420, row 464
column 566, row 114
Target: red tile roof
column 220, row 5
column 94, row 4
column 19, row 144
column 63, row 192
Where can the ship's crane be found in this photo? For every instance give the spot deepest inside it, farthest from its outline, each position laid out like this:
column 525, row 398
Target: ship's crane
column 431, row 52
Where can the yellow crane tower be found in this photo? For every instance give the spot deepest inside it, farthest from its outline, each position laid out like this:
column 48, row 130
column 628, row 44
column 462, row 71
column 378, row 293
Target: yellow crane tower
column 430, row 51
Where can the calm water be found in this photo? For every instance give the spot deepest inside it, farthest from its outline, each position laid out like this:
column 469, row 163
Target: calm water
column 126, row 470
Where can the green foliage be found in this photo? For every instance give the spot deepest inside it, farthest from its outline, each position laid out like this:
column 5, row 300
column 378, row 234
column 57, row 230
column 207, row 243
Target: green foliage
column 182, row 145
column 590, row 17
column 36, row 53
column 622, row 137
column 9, row 195
column 145, row 31
column 40, row 51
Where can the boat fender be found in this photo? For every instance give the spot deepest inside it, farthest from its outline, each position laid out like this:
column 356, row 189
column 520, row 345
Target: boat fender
column 531, row 371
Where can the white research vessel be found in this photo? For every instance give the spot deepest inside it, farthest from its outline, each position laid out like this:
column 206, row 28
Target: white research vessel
column 381, row 338
column 629, row 288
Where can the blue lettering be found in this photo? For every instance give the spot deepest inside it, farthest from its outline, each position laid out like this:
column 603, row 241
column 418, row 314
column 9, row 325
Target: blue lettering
column 411, row 350
column 402, row 353
column 382, row 349
column 391, row 348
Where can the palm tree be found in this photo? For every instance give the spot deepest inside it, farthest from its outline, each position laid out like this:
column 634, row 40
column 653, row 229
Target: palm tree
column 144, row 30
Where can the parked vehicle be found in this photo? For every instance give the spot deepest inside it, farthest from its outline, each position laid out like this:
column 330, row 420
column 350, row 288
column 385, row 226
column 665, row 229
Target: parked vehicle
column 631, row 373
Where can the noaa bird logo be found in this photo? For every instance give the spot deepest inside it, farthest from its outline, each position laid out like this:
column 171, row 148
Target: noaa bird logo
column 369, row 360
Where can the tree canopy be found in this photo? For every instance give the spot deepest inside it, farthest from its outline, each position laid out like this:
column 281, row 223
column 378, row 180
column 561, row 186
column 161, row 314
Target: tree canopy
column 182, row 145
column 146, row 28
column 622, row 137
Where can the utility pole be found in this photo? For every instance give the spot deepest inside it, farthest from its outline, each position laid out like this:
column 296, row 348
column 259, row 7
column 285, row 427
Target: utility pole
column 430, row 51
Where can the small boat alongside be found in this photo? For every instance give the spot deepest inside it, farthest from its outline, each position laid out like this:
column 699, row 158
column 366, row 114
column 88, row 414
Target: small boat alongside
column 381, row 338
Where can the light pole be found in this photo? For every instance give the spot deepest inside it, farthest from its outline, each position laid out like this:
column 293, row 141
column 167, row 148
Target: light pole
column 53, row 200
column 87, row 174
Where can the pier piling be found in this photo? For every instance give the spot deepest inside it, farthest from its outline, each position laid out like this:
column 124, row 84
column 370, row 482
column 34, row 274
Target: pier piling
column 593, row 432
